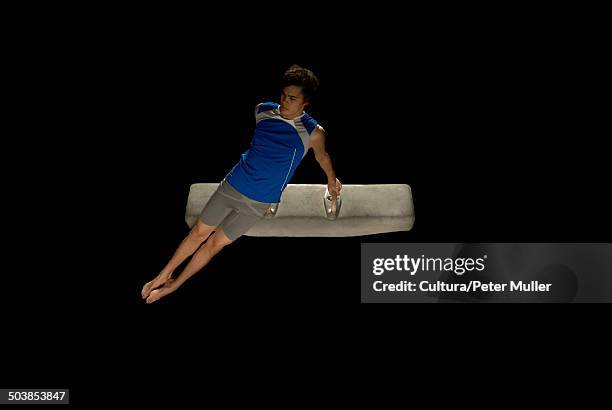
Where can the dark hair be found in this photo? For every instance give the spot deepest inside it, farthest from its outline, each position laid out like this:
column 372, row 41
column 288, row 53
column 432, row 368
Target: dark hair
column 302, row 77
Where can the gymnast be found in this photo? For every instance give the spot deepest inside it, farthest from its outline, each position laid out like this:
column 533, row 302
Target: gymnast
column 252, row 188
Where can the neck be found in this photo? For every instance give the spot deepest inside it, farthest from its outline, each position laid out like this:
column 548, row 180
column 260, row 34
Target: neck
column 291, row 116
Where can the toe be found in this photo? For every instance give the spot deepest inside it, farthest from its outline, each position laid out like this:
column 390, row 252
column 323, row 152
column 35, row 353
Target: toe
column 154, row 295
column 146, row 290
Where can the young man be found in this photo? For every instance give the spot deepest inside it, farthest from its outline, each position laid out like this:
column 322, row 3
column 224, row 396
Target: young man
column 283, row 135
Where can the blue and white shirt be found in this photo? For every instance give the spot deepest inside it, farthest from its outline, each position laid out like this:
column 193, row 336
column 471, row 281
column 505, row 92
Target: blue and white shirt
column 277, row 148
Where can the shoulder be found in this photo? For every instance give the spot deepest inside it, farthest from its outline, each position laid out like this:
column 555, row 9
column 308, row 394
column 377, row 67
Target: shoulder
column 318, row 130
column 318, row 134
column 310, row 124
column 266, row 106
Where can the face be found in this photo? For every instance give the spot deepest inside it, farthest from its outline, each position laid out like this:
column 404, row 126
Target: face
column 292, row 102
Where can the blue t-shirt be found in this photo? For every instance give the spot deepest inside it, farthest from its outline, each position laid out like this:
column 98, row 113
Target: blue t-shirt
column 277, row 148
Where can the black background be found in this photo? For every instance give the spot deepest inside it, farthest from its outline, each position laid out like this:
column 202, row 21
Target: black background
column 495, row 130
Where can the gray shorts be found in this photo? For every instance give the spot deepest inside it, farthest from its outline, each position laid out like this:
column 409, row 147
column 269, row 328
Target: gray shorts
column 232, row 211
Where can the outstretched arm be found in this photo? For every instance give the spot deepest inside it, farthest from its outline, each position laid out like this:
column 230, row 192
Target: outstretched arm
column 317, row 143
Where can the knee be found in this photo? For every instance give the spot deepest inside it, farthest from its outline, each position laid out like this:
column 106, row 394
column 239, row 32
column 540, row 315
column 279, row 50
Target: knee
column 214, row 244
column 200, row 232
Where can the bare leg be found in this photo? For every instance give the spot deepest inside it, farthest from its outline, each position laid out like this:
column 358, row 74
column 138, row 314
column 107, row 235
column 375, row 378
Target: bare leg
column 188, row 246
column 200, row 259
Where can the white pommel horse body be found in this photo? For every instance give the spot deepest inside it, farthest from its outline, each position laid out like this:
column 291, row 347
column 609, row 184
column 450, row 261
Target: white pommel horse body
column 307, row 210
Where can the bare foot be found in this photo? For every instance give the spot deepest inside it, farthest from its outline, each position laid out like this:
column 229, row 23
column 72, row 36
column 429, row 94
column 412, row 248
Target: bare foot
column 161, row 292
column 150, row 286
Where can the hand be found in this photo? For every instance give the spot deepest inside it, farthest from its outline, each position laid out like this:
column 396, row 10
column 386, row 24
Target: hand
column 334, row 188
